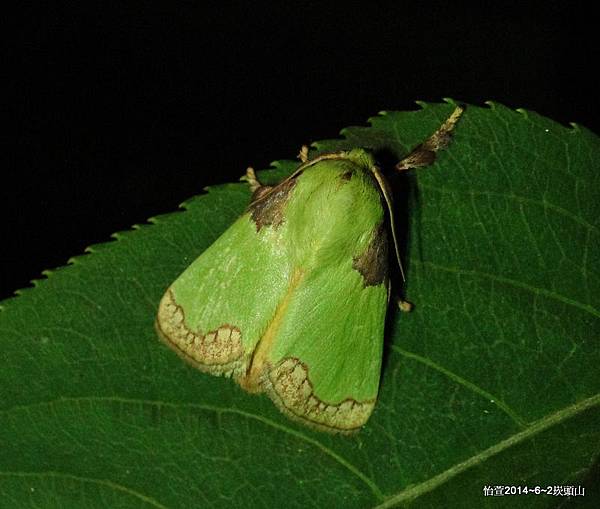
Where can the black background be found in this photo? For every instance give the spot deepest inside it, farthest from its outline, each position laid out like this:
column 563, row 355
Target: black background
column 118, row 113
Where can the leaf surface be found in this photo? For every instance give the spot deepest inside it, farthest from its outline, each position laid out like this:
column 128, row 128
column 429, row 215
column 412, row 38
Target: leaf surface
column 492, row 380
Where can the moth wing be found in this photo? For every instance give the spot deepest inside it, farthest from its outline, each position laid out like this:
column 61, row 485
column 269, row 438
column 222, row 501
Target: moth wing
column 215, row 311
column 325, row 361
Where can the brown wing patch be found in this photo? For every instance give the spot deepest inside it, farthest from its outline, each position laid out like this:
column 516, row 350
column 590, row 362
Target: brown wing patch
column 289, row 386
column 219, row 352
column 266, row 208
column 373, row 262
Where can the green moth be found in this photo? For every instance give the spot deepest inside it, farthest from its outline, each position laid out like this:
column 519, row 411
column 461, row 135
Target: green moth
column 291, row 299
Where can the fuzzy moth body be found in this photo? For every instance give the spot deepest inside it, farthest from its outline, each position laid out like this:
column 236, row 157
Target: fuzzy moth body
column 291, row 299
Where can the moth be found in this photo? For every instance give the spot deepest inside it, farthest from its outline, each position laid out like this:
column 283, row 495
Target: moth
column 291, row 299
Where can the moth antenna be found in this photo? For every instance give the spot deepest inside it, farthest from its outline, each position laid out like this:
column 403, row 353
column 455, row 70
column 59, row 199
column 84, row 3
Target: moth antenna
column 387, row 195
column 264, row 191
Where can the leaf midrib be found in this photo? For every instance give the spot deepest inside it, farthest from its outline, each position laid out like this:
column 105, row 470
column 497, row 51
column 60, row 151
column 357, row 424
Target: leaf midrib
column 537, row 427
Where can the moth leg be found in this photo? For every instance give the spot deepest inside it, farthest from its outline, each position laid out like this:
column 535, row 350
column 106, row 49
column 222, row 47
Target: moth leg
column 252, row 179
column 256, row 188
column 404, row 305
column 303, row 154
column 425, row 153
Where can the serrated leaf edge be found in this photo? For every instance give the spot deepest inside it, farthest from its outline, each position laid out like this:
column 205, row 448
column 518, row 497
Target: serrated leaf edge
column 153, row 220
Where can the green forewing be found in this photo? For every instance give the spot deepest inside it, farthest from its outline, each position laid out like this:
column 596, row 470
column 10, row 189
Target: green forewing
column 335, row 326
column 334, row 323
column 291, row 299
column 238, row 280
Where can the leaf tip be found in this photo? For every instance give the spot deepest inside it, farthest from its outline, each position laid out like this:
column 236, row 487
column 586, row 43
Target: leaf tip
column 47, row 273
column 118, row 235
column 450, row 101
column 523, row 112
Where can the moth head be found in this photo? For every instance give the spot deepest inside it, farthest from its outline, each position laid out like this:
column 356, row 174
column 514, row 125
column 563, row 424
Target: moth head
column 360, row 157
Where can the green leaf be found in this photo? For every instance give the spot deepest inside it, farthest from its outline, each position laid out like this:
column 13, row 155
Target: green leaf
column 492, row 380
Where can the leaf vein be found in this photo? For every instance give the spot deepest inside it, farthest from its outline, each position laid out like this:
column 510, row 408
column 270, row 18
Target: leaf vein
column 102, row 482
column 513, row 282
column 117, row 399
column 465, row 383
column 519, row 199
